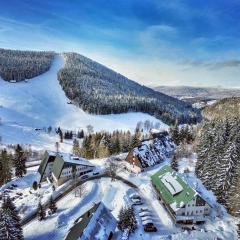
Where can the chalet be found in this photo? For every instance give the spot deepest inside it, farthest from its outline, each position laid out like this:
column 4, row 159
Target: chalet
column 182, row 202
column 97, row 223
column 149, row 153
column 59, row 167
column 65, row 164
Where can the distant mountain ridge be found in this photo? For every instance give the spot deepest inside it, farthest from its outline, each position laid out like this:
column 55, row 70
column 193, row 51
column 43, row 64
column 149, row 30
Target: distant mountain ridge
column 96, row 88
column 198, row 92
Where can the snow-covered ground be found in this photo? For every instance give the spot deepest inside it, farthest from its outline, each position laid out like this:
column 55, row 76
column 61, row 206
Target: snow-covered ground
column 70, row 208
column 41, row 102
column 116, row 194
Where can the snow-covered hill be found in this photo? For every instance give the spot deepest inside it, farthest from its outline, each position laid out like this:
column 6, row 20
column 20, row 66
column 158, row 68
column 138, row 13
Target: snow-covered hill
column 41, row 102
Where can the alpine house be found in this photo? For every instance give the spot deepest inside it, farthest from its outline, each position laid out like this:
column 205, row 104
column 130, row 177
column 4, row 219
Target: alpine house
column 60, row 167
column 149, row 153
column 183, row 203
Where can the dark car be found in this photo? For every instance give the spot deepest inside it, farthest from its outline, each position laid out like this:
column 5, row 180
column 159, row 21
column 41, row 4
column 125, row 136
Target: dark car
column 150, row 227
column 84, row 177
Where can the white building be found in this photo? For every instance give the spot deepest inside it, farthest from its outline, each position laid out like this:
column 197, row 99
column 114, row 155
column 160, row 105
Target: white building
column 45, row 168
column 60, row 167
column 183, row 203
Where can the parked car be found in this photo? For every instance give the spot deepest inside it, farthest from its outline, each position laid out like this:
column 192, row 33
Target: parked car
column 143, row 209
column 150, row 228
column 136, row 201
column 84, row 177
column 146, row 222
column 146, row 218
column 134, row 195
column 144, row 214
column 95, row 173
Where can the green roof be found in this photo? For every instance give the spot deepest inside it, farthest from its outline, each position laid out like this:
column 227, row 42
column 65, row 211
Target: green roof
column 57, row 166
column 178, row 200
column 47, row 157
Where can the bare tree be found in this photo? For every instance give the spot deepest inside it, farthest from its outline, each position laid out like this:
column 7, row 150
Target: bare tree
column 112, row 168
column 89, row 129
column 80, row 190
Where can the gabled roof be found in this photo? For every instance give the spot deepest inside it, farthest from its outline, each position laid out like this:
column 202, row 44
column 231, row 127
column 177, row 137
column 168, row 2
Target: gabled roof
column 65, row 158
column 174, row 191
column 154, row 150
column 49, row 156
column 95, row 224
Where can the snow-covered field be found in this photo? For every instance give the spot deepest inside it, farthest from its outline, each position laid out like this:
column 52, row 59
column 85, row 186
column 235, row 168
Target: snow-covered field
column 41, row 102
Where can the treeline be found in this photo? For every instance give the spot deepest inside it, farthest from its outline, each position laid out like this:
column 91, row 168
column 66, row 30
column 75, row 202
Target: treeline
column 99, row 90
column 19, row 65
column 183, row 134
column 104, row 144
column 12, row 164
column 218, row 164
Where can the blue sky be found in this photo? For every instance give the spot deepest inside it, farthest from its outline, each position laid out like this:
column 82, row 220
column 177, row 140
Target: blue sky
column 155, row 42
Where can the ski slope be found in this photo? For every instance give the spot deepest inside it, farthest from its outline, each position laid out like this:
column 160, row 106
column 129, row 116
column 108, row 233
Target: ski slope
column 41, row 102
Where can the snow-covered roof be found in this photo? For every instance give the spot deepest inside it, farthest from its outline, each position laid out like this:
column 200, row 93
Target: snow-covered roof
column 96, row 224
column 100, row 225
column 51, row 153
column 171, row 183
column 154, row 150
column 69, row 158
column 174, row 191
column 63, row 159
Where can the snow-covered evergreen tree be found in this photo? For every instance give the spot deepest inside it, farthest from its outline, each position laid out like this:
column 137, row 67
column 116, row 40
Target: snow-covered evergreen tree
column 5, row 167
column 20, row 161
column 127, row 219
column 10, row 228
column 218, row 160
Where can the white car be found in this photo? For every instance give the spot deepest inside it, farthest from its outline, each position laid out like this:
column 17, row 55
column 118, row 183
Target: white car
column 146, row 222
column 144, row 214
column 136, row 201
column 146, row 218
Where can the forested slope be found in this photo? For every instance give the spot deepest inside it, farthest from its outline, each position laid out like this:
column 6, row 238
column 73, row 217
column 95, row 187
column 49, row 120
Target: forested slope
column 99, row 90
column 199, row 92
column 218, row 164
column 20, row 65
column 222, row 109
